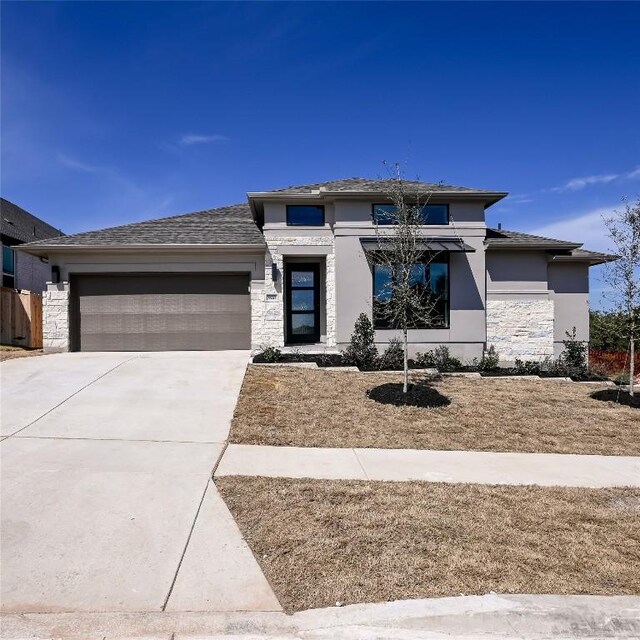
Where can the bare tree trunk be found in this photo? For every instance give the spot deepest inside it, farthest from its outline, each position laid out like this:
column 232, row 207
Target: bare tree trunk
column 405, row 385
column 632, row 364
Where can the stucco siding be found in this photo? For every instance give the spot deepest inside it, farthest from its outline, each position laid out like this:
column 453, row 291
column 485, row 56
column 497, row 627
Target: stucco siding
column 354, row 294
column 569, row 284
column 517, row 271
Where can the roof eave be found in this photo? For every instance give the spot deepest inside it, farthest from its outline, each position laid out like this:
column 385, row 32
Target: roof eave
column 488, row 197
column 506, row 246
column 592, row 260
column 43, row 250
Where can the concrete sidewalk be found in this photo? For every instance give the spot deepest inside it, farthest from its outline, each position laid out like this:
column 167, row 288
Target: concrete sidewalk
column 490, row 616
column 545, row 469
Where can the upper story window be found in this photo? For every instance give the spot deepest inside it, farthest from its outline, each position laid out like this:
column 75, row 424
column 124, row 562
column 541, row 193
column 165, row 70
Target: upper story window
column 8, row 266
column 305, row 215
column 431, row 213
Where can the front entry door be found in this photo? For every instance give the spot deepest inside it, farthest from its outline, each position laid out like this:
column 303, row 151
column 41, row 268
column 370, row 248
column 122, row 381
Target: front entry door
column 303, row 302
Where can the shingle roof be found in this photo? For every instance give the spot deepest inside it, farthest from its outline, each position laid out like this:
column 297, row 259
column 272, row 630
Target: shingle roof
column 373, row 185
column 503, row 239
column 18, row 224
column 500, row 238
column 225, row 225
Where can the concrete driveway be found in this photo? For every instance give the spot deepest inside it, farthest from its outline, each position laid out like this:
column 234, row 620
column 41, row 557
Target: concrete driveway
column 107, row 499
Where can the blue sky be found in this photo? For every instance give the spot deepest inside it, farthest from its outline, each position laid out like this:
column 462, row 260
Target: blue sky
column 117, row 112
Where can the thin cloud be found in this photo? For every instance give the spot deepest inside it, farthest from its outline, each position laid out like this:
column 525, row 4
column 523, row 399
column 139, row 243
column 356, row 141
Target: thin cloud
column 576, row 184
column 77, row 165
column 193, row 138
column 587, row 228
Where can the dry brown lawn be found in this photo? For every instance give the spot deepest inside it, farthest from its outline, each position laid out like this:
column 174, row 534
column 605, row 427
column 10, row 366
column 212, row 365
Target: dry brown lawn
column 315, row 408
column 8, row 352
column 325, row 541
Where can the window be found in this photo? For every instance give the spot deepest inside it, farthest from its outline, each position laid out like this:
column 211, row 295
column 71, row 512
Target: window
column 305, row 215
column 430, row 277
column 8, row 266
column 431, row 213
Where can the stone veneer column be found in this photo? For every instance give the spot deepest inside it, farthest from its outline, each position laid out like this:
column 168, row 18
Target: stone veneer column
column 267, row 297
column 520, row 329
column 55, row 317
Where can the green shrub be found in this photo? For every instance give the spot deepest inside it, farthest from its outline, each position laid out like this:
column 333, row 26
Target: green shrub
column 361, row 351
column 269, row 354
column 439, row 358
column 393, row 356
column 574, row 354
column 527, row 367
column 489, row 361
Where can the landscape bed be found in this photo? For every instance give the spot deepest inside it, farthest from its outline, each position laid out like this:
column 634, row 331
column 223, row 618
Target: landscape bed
column 323, row 360
column 285, row 406
column 320, row 542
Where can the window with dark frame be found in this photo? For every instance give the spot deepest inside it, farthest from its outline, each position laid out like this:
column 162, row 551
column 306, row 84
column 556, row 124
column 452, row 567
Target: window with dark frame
column 432, row 214
column 8, row 266
column 431, row 275
column 305, row 215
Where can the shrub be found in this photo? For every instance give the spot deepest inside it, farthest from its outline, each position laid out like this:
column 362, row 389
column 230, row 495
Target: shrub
column 527, row 367
column 393, row 356
column 439, row 358
column 574, row 354
column 489, row 361
column 362, row 351
column 269, row 354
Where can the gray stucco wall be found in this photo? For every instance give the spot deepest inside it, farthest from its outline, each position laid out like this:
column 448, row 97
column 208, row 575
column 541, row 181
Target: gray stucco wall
column 532, row 301
column 569, row 284
column 346, row 221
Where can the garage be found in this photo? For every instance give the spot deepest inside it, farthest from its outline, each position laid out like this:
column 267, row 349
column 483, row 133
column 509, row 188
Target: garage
column 160, row 312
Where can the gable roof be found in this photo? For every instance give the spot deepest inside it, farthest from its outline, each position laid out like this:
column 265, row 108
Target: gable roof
column 567, row 251
column 20, row 225
column 231, row 225
column 363, row 185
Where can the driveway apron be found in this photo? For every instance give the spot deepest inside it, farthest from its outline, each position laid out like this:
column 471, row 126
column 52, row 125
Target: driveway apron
column 106, row 484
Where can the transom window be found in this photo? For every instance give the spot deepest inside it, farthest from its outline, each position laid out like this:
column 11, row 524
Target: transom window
column 305, row 215
column 431, row 213
column 429, row 277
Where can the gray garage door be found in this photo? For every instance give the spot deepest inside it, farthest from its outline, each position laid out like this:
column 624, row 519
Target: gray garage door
column 160, row 312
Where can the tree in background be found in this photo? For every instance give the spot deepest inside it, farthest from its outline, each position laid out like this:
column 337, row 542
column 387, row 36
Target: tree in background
column 608, row 331
column 407, row 298
column 623, row 274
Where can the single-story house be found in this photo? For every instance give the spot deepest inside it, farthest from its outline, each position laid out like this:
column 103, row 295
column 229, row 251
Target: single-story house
column 21, row 270
column 291, row 268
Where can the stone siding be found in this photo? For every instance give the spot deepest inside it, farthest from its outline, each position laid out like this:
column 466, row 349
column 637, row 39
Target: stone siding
column 267, row 297
column 55, row 318
column 520, row 328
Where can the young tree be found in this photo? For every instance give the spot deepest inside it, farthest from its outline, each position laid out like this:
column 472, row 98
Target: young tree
column 623, row 274
column 406, row 297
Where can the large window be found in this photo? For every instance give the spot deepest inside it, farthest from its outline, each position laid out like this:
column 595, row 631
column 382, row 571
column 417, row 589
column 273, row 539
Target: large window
column 430, row 277
column 305, row 215
column 8, row 266
column 431, row 213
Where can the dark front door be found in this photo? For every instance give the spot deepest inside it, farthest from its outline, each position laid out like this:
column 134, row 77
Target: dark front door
column 303, row 302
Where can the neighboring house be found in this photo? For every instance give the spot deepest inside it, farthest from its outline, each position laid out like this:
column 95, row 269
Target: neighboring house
column 21, row 270
column 291, row 267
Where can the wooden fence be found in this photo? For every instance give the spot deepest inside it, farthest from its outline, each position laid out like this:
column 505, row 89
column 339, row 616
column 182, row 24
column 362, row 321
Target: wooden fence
column 20, row 318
